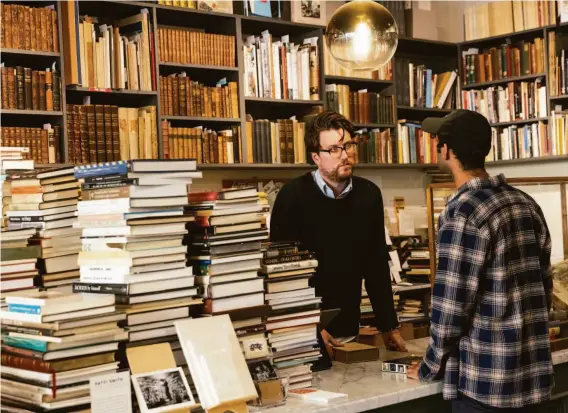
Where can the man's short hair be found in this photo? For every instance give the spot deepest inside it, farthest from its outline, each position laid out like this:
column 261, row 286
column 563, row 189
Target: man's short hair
column 324, row 121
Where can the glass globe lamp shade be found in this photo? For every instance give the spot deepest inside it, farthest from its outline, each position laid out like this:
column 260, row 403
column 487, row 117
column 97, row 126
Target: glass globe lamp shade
column 362, row 35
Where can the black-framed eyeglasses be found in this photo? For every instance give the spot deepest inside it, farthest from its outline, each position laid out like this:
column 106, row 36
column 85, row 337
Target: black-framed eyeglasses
column 336, row 151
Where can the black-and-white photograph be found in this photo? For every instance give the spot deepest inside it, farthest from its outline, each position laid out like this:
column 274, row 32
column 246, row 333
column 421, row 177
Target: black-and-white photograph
column 262, row 370
column 162, row 391
column 311, row 8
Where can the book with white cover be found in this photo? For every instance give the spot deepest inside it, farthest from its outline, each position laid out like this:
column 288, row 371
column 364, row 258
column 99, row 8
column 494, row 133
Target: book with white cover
column 215, row 360
column 315, row 395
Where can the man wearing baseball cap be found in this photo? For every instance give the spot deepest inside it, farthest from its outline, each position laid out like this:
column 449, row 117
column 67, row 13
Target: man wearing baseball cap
column 493, row 289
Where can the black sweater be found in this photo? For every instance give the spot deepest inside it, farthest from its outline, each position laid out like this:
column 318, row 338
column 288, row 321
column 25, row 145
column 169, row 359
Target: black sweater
column 348, row 237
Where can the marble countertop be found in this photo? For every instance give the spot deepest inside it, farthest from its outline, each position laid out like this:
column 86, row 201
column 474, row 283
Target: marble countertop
column 368, row 387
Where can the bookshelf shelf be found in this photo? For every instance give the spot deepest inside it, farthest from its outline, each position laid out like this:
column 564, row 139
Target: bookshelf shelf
column 558, row 97
column 284, row 166
column 374, row 125
column 200, row 67
column 518, row 122
column 503, row 81
column 87, row 90
column 35, row 53
column 538, row 159
column 53, row 165
column 357, row 80
column 32, row 112
column 190, row 11
column 425, row 110
column 536, row 31
column 201, row 119
column 253, row 99
column 281, row 22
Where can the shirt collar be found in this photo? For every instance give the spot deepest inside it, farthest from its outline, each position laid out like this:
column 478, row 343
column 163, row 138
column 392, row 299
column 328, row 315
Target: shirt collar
column 326, row 190
column 477, row 183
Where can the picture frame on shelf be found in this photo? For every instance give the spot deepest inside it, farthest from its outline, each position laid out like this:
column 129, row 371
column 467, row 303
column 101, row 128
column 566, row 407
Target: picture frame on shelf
column 309, row 12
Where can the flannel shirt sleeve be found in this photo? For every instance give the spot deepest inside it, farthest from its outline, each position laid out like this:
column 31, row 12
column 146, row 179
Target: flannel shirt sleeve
column 462, row 251
column 545, row 265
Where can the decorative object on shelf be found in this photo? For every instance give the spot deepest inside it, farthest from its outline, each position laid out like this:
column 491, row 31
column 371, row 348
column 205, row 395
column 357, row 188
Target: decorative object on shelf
column 309, row 11
column 362, row 35
column 220, row 6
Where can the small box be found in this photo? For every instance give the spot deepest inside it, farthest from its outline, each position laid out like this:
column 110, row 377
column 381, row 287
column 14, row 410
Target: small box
column 356, row 353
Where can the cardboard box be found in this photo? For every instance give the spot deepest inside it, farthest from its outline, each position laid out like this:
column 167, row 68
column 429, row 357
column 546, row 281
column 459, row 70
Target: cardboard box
column 356, row 353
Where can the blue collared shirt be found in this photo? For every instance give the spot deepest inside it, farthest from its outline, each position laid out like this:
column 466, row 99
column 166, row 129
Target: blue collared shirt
column 326, row 190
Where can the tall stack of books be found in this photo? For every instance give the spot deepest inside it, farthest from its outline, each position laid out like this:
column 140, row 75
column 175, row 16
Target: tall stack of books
column 52, row 344
column 46, row 201
column 281, row 69
column 224, row 247
column 133, row 222
column 408, row 309
column 295, row 312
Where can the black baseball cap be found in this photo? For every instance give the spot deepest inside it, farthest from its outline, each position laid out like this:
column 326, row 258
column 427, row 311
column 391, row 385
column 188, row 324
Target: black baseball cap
column 462, row 130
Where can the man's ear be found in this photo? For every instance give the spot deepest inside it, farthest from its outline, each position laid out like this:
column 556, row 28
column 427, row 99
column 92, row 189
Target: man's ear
column 446, row 152
column 315, row 157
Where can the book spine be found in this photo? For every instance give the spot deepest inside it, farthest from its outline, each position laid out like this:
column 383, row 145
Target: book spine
column 25, row 343
column 106, row 168
column 24, row 308
column 117, row 289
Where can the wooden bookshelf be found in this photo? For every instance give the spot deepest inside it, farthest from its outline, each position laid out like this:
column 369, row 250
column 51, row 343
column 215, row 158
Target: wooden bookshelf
column 305, row 166
column 504, row 81
column 239, row 26
column 518, row 122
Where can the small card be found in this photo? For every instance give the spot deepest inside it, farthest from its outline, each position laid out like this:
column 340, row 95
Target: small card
column 255, row 347
column 110, row 393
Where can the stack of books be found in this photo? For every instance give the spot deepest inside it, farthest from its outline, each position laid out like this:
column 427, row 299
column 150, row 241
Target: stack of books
column 133, row 222
column 224, row 247
column 295, row 311
column 418, row 265
column 19, row 262
column 281, row 69
column 46, row 201
column 408, row 309
column 52, row 344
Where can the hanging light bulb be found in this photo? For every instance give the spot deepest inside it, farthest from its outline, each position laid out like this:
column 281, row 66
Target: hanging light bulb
column 362, row 35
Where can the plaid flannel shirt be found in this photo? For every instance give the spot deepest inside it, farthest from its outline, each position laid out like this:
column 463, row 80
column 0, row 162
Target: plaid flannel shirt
column 491, row 296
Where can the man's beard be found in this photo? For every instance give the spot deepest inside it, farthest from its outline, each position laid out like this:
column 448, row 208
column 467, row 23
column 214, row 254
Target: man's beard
column 336, row 176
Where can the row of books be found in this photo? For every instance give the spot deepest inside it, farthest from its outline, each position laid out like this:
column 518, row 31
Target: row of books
column 332, row 68
column 206, row 5
column 514, row 101
column 276, row 142
column 104, row 133
column 558, row 123
column 503, row 17
column 413, row 145
column 42, row 144
column 281, row 69
column 180, row 96
column 506, row 61
column 558, row 63
column 418, row 86
column 29, row 28
column 375, row 146
column 118, row 56
column 361, row 106
column 188, row 46
column 27, row 89
column 204, row 145
column 521, row 142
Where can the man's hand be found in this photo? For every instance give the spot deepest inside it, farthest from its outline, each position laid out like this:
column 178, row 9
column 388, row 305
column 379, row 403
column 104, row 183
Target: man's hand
column 329, row 342
column 412, row 371
column 394, row 342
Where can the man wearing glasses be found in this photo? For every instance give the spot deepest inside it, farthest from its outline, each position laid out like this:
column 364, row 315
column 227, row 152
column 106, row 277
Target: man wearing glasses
column 340, row 218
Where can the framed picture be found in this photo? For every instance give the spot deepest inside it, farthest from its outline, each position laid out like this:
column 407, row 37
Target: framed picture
column 162, row 391
column 309, row 11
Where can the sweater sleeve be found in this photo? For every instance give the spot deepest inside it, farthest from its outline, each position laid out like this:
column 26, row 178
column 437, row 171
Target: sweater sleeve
column 377, row 274
column 284, row 224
